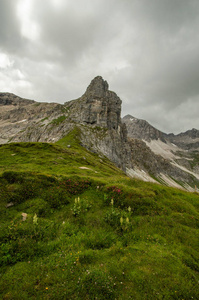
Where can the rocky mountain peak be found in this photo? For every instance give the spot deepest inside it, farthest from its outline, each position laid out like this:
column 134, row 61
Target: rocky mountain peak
column 97, row 88
column 98, row 106
column 129, row 118
column 11, row 99
column 193, row 133
column 141, row 129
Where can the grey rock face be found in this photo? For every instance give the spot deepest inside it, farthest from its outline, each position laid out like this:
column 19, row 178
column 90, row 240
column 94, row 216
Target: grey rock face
column 18, row 116
column 188, row 140
column 157, row 153
column 11, row 99
column 141, row 129
column 98, row 106
column 98, row 88
column 147, row 160
column 101, row 108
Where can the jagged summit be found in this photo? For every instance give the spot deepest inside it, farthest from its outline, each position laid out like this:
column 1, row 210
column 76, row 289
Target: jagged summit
column 12, row 99
column 141, row 129
column 129, row 118
column 98, row 106
column 97, row 88
column 193, row 133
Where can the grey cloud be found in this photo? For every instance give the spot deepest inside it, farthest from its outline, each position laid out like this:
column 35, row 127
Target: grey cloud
column 71, row 31
column 10, row 38
column 146, row 50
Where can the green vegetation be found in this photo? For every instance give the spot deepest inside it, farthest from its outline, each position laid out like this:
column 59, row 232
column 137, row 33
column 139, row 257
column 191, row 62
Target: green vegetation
column 58, row 120
column 66, row 157
column 91, row 232
column 195, row 157
column 44, row 119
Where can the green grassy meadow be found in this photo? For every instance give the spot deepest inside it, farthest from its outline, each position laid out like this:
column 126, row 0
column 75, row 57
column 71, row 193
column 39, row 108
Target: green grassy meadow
column 90, row 231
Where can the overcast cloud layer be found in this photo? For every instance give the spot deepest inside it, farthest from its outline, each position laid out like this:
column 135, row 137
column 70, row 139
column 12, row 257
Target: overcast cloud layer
column 148, row 51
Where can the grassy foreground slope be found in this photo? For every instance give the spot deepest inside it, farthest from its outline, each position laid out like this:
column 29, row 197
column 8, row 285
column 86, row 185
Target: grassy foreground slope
column 91, row 232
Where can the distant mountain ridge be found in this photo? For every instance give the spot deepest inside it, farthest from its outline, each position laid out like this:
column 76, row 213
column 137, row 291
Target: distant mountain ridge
column 163, row 155
column 141, row 129
column 132, row 144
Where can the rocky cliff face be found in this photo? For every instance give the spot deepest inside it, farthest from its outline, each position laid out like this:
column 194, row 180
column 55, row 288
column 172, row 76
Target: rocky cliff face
column 141, row 129
column 96, row 114
column 167, row 157
column 19, row 118
column 188, row 140
column 98, row 106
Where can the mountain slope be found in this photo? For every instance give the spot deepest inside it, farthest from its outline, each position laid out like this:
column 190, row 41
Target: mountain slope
column 74, row 226
column 96, row 113
column 141, row 129
column 163, row 156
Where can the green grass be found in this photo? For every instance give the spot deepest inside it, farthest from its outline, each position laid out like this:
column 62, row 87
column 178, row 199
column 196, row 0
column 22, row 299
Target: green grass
column 73, row 244
column 58, row 120
column 66, row 157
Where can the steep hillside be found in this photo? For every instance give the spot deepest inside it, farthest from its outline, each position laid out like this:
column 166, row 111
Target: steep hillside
column 66, row 157
column 74, row 226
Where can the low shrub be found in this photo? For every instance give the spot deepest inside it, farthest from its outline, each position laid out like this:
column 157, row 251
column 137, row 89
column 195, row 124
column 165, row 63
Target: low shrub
column 56, row 197
column 36, row 206
column 99, row 239
column 145, row 206
column 13, row 177
column 75, row 186
column 19, row 193
column 115, row 193
column 80, row 206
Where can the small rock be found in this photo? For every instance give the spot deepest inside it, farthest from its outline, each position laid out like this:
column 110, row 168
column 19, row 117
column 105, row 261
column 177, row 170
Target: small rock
column 24, row 215
column 9, row 204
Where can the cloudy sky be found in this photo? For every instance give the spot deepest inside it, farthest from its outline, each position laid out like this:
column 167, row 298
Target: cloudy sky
column 147, row 50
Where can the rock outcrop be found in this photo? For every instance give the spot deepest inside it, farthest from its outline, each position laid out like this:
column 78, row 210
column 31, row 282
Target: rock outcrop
column 188, row 140
column 98, row 106
column 19, row 118
column 98, row 114
column 141, row 129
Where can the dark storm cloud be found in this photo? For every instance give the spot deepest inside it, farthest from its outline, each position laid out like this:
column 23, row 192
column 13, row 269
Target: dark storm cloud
column 146, row 50
column 10, row 38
